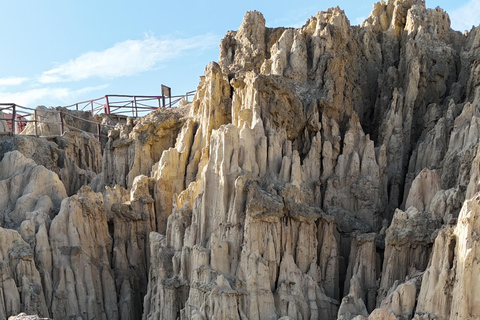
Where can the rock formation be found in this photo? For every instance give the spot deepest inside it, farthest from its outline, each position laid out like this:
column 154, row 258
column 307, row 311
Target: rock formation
column 75, row 157
column 3, row 123
column 325, row 172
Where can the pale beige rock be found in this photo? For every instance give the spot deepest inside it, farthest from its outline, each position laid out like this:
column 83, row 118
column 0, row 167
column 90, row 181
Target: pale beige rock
column 435, row 293
column 462, row 148
column 407, row 247
column 27, row 187
column 20, row 282
column 260, row 302
column 133, row 221
column 24, row 316
column 352, row 304
column 423, row 189
column 248, row 41
column 464, row 297
column 454, row 270
column 135, row 147
column 75, row 157
column 363, row 263
column 162, row 299
column 210, row 109
column 382, row 314
column 299, row 296
column 258, row 169
column 307, row 156
column 3, row 123
column 171, row 176
column 49, row 122
column 356, row 184
column 401, row 300
column 80, row 160
column 82, row 277
column 115, row 195
column 328, row 258
column 411, row 232
column 474, row 183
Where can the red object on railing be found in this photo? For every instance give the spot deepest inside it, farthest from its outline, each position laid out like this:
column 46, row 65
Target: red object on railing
column 21, row 124
column 107, row 106
column 130, row 105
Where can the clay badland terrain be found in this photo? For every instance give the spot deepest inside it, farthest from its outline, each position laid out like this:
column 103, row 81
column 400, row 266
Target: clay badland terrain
column 325, row 172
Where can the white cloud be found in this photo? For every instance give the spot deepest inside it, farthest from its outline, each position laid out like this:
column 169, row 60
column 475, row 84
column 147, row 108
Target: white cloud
column 467, row 16
column 359, row 20
column 295, row 19
column 125, row 58
column 12, row 81
column 30, row 98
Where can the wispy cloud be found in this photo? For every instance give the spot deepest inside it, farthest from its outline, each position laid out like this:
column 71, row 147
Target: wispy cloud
column 466, row 16
column 32, row 96
column 12, row 81
column 126, row 58
column 359, row 20
column 296, row 19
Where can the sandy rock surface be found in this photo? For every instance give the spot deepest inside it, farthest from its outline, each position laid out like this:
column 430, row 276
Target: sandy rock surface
column 325, row 172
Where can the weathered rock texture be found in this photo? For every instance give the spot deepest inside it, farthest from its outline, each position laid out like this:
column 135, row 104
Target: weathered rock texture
column 75, row 157
column 50, row 122
column 3, row 123
column 325, row 172
column 83, row 282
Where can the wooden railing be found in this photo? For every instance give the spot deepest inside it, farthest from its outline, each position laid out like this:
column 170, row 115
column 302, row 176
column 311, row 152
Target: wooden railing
column 17, row 117
column 128, row 105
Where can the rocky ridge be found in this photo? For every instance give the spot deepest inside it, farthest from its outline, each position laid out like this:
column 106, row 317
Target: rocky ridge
column 325, row 172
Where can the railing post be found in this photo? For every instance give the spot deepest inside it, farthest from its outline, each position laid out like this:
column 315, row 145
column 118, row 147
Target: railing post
column 14, row 123
column 107, row 106
column 35, row 122
column 61, row 121
column 135, row 103
column 76, row 105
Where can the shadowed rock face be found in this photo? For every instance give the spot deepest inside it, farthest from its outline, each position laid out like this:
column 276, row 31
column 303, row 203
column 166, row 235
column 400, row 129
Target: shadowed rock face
column 75, row 157
column 325, row 172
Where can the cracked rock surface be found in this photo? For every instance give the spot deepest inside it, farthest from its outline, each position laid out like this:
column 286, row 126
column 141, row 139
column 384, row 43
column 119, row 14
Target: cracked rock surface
column 325, row 172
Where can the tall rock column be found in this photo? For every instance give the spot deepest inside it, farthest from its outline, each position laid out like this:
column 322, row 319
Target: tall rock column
column 81, row 245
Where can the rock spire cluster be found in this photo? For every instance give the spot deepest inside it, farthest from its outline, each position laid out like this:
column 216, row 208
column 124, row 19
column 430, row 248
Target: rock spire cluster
column 326, row 172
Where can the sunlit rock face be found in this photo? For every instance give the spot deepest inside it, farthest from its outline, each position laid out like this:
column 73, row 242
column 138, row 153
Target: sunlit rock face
column 324, row 172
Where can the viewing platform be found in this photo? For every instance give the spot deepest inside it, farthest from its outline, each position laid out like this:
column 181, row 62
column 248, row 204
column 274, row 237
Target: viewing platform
column 14, row 119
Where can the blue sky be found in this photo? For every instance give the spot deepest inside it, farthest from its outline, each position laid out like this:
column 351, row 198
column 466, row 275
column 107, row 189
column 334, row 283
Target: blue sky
column 58, row 52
